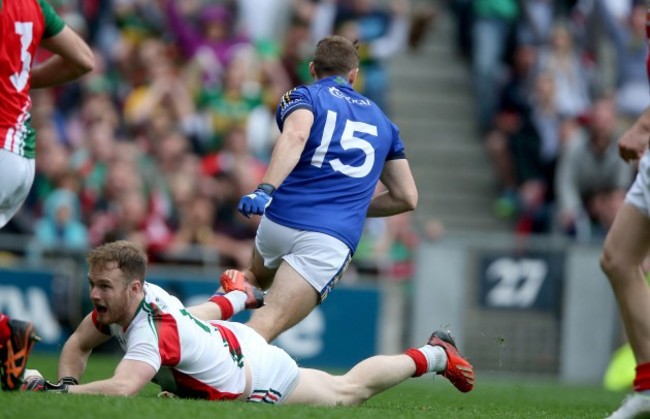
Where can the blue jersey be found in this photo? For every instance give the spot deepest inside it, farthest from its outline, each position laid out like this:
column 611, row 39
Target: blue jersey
column 330, row 188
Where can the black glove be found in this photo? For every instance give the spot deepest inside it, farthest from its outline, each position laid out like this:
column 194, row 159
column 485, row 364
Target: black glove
column 35, row 383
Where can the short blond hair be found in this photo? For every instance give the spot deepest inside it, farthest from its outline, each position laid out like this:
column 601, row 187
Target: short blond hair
column 130, row 258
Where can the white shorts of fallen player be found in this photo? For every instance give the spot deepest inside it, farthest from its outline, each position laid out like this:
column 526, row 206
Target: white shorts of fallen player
column 318, row 257
column 275, row 374
column 16, row 178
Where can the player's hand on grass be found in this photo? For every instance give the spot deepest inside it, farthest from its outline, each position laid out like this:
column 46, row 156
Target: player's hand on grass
column 255, row 203
column 37, row 383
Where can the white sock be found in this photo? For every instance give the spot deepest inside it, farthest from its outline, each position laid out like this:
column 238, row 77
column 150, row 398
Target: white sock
column 436, row 358
column 237, row 299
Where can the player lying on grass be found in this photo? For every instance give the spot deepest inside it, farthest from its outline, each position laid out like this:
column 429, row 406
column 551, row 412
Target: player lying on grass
column 113, row 302
column 215, row 360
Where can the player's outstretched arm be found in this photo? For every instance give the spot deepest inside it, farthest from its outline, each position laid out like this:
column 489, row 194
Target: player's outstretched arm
column 289, row 146
column 284, row 159
column 77, row 349
column 73, row 59
column 401, row 193
column 130, row 377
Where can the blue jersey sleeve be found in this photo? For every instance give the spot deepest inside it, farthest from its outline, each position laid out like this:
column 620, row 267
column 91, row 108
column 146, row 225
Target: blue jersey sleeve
column 397, row 147
column 294, row 99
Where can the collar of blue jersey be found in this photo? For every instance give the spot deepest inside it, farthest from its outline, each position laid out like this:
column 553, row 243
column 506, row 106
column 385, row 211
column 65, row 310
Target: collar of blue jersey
column 335, row 81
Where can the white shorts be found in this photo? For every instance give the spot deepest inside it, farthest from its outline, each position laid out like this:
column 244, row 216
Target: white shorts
column 275, row 373
column 319, row 258
column 16, row 178
column 639, row 193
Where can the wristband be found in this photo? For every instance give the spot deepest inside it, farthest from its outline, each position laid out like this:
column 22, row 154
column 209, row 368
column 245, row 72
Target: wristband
column 71, row 381
column 266, row 187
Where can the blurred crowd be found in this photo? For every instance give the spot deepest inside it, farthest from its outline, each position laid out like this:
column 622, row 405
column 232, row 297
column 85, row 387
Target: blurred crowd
column 177, row 122
column 556, row 83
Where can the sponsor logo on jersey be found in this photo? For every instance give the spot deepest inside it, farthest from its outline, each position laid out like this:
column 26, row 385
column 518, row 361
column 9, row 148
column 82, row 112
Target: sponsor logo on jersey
column 338, row 94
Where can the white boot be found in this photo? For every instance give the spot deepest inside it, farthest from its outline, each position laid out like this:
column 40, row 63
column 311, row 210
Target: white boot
column 635, row 406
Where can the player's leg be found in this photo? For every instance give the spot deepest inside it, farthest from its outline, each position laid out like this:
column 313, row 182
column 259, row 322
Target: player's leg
column 287, row 302
column 366, row 379
column 233, row 295
column 225, row 304
column 258, row 274
column 309, row 264
column 379, row 373
column 17, row 174
column 17, row 338
column 624, row 251
column 625, row 248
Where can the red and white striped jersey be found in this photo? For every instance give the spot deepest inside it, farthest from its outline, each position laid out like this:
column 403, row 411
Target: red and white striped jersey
column 23, row 23
column 194, row 358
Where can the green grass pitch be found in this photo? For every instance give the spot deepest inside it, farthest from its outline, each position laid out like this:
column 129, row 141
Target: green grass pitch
column 416, row 398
